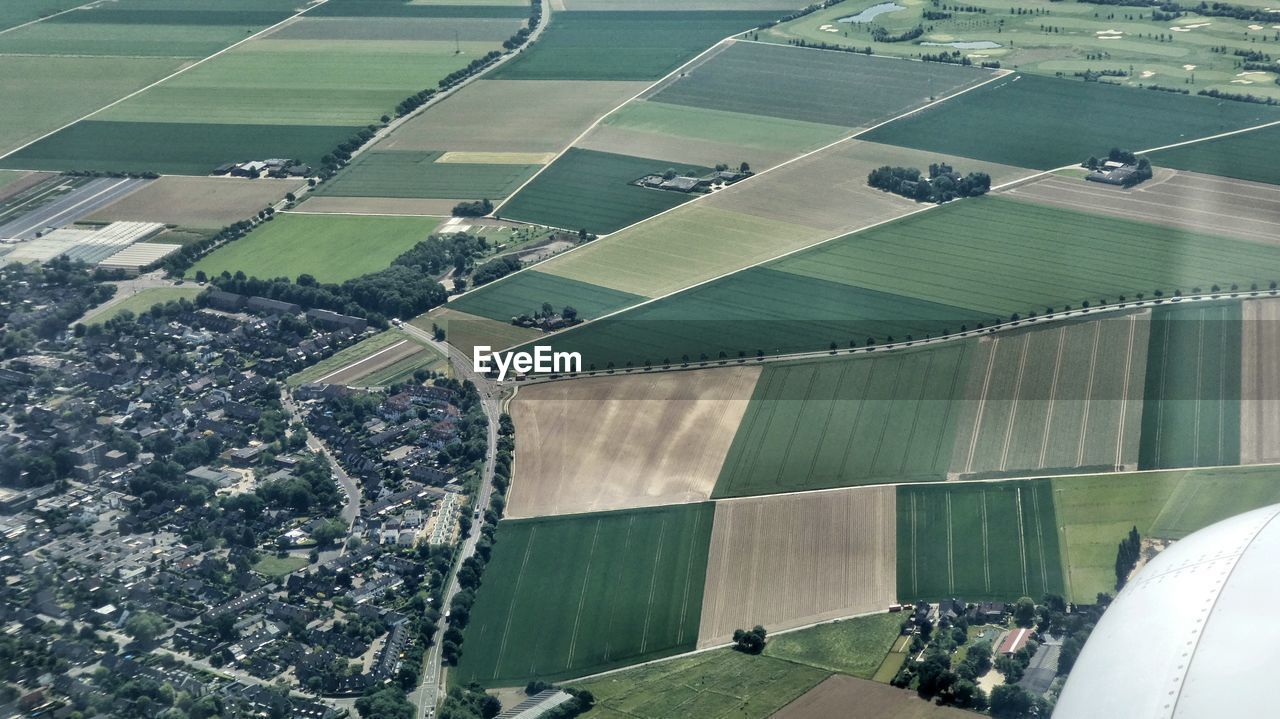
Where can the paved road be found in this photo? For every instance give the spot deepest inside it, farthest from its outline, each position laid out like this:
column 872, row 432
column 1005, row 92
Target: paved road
column 350, row 510
column 82, row 201
column 434, row 675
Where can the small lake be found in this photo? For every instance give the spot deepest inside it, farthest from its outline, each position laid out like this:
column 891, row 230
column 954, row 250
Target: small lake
column 967, row 45
column 873, row 12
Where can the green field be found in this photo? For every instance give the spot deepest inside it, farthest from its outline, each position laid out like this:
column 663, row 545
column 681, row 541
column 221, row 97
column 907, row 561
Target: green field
column 831, row 88
column 1242, row 156
column 1191, row 416
column 346, row 356
column 274, row 567
column 978, row 541
column 331, row 248
column 1204, row 497
column 400, row 8
column 569, row 596
column 590, row 189
column 241, row 13
column 1013, row 119
column 427, row 359
column 108, row 39
column 417, row 174
column 624, row 45
column 842, row 422
column 142, row 301
column 854, row 646
column 721, row 683
column 526, row 291
column 484, row 29
column 174, row 148
column 16, row 12
column 971, row 261
column 737, row 128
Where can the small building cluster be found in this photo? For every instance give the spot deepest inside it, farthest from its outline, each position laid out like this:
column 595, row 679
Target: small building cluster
column 255, row 169
column 675, row 182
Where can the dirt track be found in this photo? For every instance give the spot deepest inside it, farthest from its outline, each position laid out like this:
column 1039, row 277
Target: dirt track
column 620, row 442
column 1260, row 382
column 792, row 560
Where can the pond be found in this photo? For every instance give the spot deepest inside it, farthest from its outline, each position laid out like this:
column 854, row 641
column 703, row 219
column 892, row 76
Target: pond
column 966, row 45
column 873, row 12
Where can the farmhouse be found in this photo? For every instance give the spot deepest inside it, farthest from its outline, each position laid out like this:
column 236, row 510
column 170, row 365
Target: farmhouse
column 1015, row 640
column 1113, row 173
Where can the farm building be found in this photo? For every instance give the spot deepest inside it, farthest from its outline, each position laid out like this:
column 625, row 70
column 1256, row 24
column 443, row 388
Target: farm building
column 1113, row 173
column 1015, row 640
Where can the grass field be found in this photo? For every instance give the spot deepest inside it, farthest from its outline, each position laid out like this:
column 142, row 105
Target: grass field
column 346, row 356
column 854, row 646
column 833, row 423
column 718, row 684
column 140, row 302
column 1240, row 156
column 329, row 248
column 173, row 200
column 1207, row 496
column 589, row 189
column 1008, row 121
column 421, row 174
column 174, row 148
column 625, row 45
column 568, row 596
column 830, row 88
column 525, row 292
column 273, row 566
column 1191, row 417
column 978, row 541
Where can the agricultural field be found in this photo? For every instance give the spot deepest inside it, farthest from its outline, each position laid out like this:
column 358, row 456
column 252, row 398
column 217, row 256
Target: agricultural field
column 466, row 331
column 17, row 12
column 853, row 698
column 625, row 45
column 405, row 206
column 140, row 302
column 1259, row 382
column 1204, row 497
column 570, row 596
column 855, row 647
column 780, row 7
column 327, row 247
column 117, row 39
column 462, row 29
column 1008, row 121
column 592, row 190
column 401, row 9
column 1191, row 416
column 678, row 426
column 1242, row 156
column 720, row 683
column 423, row 174
column 525, row 292
column 1187, row 53
column 839, row 422
column 1066, row 397
column 1186, row 200
column 748, row 131
column 980, row 540
column 786, row 562
column 830, row 88
column 376, row 361
column 209, row 203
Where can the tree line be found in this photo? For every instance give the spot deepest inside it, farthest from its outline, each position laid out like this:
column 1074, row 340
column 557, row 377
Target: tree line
column 942, row 184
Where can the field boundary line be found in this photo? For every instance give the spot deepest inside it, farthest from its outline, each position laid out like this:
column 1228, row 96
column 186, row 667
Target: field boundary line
column 362, row 360
column 653, row 586
column 1013, row 405
column 515, row 596
column 166, row 78
column 356, row 214
column 1218, row 136
column 582, row 596
column 1044, row 566
column 50, row 17
column 1053, row 395
column 982, row 405
column 1088, row 395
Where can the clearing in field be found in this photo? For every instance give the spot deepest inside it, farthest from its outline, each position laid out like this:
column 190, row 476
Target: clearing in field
column 840, row 422
column 852, row 698
column 856, row 646
column 1184, row 200
column 1066, row 397
column 1241, row 156
column 140, row 302
column 1191, row 416
column 831, row 88
column 980, row 540
column 511, row 116
column 720, row 683
column 606, row 443
column 422, row 174
column 328, row 247
column 1008, row 120
column 784, row 562
column 525, row 293
column 592, row 190
column 570, row 596
column 625, row 45
column 1260, row 382
column 199, row 202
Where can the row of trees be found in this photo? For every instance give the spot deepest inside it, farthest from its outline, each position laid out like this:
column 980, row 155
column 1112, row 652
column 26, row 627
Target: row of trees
column 1127, row 555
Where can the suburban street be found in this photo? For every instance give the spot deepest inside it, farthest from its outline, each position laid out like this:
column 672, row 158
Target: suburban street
column 350, row 510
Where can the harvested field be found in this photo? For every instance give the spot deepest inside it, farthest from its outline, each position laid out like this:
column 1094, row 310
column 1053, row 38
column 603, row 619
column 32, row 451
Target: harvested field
column 833, row 88
column 1242, row 156
column 571, row 596
column 1260, row 382
column 467, row 331
column 421, row 174
column 609, row 138
column 1008, row 120
column 677, row 428
column 1054, row 399
column 404, row 206
column 1185, row 200
column 785, row 562
column 852, row 698
column 839, row 422
column 524, row 293
column 1191, row 416
column 511, row 116
column 199, row 202
column 980, row 540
